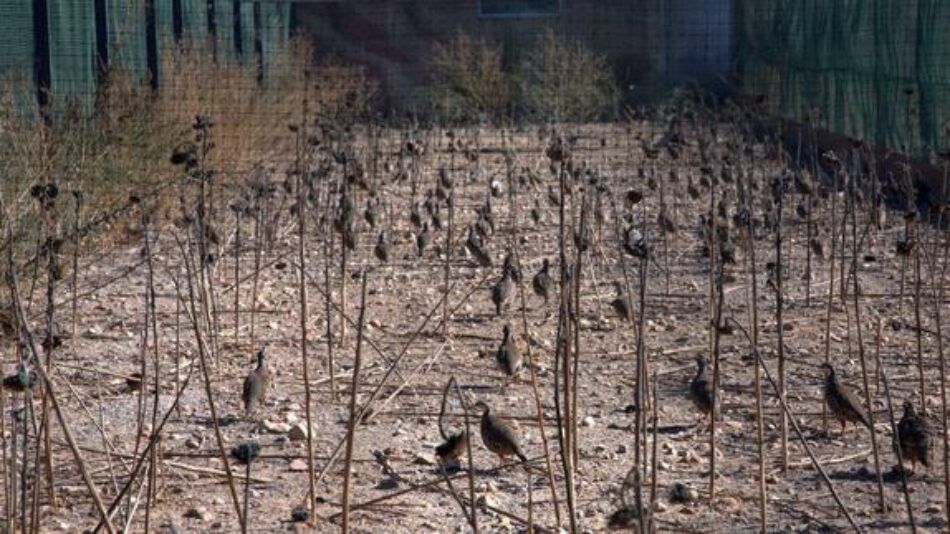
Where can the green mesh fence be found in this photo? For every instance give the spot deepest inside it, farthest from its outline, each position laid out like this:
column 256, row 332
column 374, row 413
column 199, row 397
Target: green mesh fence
column 72, row 44
column 72, row 40
column 877, row 70
column 127, row 45
column 275, row 34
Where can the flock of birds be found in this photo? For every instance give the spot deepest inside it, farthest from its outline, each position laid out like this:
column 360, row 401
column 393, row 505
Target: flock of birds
column 912, row 442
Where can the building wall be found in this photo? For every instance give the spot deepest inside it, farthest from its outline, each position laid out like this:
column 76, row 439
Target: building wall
column 395, row 39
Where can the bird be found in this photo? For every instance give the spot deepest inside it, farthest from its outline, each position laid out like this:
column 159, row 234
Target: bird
column 500, row 292
column 452, row 447
column 621, row 304
column 536, row 214
column 700, row 388
column 508, row 354
column 727, row 252
column 22, row 380
column 513, row 267
column 542, row 281
column 477, row 248
column 817, row 248
column 382, row 247
column 371, row 214
column 498, row 436
column 905, row 247
column 913, row 436
column 256, row 384
column 843, row 404
column 422, row 239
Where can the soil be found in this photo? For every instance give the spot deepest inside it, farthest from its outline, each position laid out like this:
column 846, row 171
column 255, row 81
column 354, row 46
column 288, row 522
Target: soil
column 396, row 484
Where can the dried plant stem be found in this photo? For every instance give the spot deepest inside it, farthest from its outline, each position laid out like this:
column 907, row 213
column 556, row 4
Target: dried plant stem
column 304, row 341
column 900, row 456
column 779, row 322
column 471, row 461
column 258, row 251
column 754, row 310
column 538, row 408
column 48, row 385
column 237, row 275
column 716, row 325
column 857, row 324
column 831, row 286
column 354, row 417
column 327, row 293
column 919, row 326
column 640, row 392
column 801, row 437
column 206, row 375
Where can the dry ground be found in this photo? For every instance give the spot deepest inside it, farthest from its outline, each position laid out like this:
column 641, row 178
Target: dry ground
column 89, row 372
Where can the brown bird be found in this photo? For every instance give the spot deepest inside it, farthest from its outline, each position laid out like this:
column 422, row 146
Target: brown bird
column 843, row 404
column 513, row 267
column 498, row 436
column 817, row 248
column 701, row 388
column 422, row 239
column 542, row 281
column 256, row 384
column 508, row 354
column 621, row 305
column 382, row 247
column 500, row 292
column 913, row 435
column 452, row 448
column 477, row 248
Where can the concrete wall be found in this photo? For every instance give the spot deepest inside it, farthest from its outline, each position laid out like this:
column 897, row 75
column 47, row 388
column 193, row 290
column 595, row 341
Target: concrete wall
column 395, row 38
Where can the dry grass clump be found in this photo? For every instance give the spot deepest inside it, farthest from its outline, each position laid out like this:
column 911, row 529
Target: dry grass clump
column 469, row 81
column 556, row 79
column 119, row 143
column 564, row 81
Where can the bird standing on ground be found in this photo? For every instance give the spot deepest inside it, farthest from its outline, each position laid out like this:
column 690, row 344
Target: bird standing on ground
column 499, row 437
column 542, row 281
column 422, row 239
column 513, row 267
column 701, row 388
column 500, row 292
column 382, row 247
column 256, row 384
column 913, row 435
column 621, row 305
column 508, row 354
column 843, row 404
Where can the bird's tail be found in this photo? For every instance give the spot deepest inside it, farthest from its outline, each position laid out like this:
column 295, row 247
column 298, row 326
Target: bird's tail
column 522, row 457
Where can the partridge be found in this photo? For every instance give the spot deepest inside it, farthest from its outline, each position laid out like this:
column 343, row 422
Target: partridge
column 508, row 354
column 914, row 436
column 499, row 437
column 500, row 292
column 843, row 404
column 542, row 281
column 256, row 384
column 701, row 388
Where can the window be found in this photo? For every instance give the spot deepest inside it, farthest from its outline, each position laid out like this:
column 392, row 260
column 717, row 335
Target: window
column 517, row 8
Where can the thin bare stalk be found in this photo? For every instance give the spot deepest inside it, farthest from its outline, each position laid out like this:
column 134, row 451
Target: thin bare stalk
column 801, row 437
column 48, row 385
column 900, row 456
column 857, row 324
column 304, row 341
column 351, row 428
